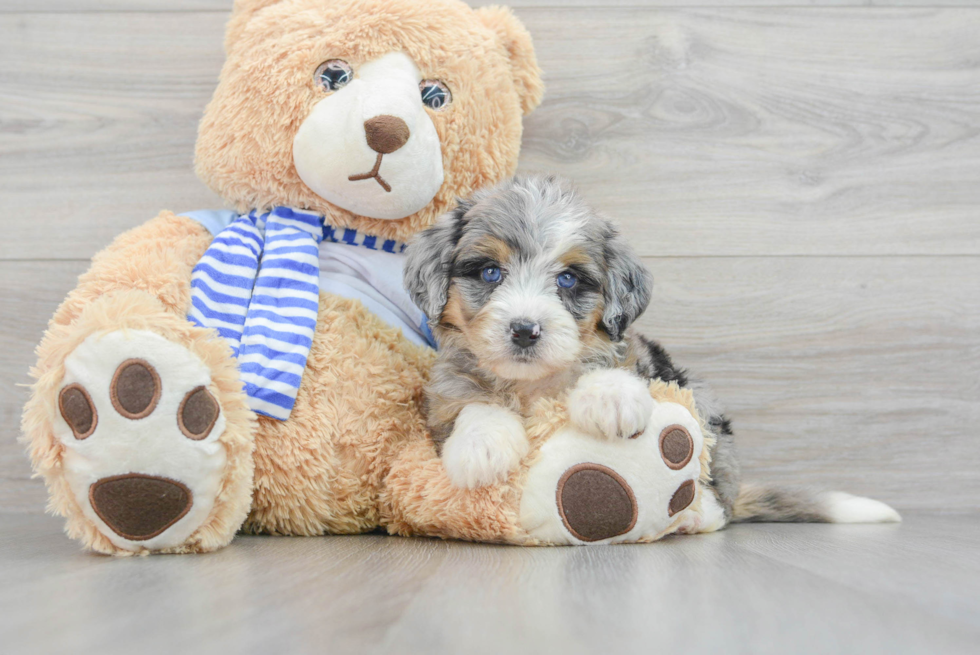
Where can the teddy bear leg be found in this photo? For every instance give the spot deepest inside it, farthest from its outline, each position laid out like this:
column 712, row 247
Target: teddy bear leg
column 137, row 420
column 143, row 444
column 582, row 489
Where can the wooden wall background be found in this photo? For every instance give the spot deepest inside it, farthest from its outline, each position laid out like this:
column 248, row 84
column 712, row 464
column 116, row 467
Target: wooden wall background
column 803, row 178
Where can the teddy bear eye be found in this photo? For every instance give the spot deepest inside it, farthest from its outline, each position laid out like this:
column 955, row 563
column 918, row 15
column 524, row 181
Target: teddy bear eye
column 435, row 94
column 333, row 74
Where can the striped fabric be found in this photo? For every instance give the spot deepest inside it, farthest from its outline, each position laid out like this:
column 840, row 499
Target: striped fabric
column 221, row 284
column 258, row 285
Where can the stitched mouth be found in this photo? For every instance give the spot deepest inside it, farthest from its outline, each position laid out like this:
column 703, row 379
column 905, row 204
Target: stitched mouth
column 373, row 175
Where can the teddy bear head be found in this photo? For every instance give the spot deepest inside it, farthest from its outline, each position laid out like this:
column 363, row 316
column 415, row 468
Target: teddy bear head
column 375, row 113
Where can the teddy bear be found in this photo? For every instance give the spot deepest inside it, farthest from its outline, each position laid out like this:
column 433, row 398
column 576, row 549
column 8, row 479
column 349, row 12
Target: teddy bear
column 259, row 369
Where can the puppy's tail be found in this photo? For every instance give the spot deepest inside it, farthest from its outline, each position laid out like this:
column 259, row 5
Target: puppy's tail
column 766, row 504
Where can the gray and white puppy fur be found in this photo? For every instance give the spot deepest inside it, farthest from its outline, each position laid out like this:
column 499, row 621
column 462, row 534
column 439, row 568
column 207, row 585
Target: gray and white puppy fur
column 531, row 293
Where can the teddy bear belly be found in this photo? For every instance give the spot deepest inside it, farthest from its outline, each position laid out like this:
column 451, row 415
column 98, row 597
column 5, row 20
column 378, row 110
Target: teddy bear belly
column 358, row 405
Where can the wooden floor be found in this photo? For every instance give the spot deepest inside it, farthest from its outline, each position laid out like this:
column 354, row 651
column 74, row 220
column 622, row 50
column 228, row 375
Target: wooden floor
column 756, row 589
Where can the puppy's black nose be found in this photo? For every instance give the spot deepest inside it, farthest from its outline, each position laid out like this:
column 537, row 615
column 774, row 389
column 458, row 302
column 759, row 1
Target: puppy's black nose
column 524, row 333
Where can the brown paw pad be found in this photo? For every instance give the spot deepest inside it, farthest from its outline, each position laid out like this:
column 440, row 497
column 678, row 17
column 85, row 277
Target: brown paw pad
column 197, row 414
column 135, row 389
column 137, row 506
column 595, row 502
column 78, row 410
column 683, row 497
column 676, row 446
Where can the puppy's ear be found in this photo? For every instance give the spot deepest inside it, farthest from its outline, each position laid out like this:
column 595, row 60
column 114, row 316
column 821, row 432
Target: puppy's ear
column 627, row 289
column 430, row 257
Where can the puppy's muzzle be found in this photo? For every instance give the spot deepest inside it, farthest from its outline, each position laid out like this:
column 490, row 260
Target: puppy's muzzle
column 524, row 334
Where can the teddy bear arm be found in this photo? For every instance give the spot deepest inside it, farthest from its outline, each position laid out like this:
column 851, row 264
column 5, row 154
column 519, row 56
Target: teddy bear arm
column 156, row 257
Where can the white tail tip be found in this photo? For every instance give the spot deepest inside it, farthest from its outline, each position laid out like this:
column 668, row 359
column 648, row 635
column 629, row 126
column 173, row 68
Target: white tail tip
column 845, row 508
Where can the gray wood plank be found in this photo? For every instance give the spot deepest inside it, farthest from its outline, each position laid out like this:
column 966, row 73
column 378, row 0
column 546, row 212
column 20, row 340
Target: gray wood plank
column 707, row 131
column 768, row 131
column 854, row 373
column 890, row 561
column 727, row 592
column 29, row 294
column 108, row 150
column 859, row 374
column 75, row 6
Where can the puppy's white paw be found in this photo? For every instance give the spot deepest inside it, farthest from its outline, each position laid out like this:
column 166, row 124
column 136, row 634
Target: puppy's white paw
column 487, row 443
column 610, row 403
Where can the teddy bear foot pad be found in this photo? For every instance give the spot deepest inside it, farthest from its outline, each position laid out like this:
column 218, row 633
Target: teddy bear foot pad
column 140, row 430
column 584, row 490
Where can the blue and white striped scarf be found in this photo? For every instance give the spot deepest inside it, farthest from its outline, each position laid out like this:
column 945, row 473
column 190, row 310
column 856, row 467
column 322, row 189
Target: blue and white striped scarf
column 258, row 285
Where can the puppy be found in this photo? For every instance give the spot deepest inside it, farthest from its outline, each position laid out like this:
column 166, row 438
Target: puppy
column 530, row 293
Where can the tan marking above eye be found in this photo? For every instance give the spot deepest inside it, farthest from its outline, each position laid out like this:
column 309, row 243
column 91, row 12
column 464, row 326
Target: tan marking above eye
column 575, row 256
column 494, row 248
column 78, row 410
column 683, row 497
column 135, row 389
column 197, row 414
column 676, row 446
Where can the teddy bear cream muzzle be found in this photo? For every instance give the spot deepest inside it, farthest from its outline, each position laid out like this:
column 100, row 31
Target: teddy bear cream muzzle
column 374, row 128
column 385, row 134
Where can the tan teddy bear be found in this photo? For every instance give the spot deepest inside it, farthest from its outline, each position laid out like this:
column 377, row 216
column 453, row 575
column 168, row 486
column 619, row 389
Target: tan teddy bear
column 371, row 117
column 262, row 369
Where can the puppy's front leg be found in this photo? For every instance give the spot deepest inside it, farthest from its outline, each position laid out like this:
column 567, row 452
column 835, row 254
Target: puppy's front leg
column 610, row 403
column 486, row 444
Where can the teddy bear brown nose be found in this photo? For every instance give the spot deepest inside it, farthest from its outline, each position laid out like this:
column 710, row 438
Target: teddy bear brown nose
column 386, row 134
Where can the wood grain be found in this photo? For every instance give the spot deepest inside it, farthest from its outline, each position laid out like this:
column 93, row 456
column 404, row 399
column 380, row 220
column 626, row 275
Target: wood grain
column 29, row 294
column 768, row 131
column 75, row 6
column 859, row 374
column 909, row 588
column 707, row 131
column 855, row 373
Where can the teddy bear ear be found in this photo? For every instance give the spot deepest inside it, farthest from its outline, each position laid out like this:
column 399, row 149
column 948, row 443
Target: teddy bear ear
column 241, row 13
column 516, row 40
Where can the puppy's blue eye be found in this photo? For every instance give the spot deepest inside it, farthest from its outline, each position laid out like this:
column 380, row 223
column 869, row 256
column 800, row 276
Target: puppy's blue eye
column 567, row 280
column 491, row 274
column 334, row 74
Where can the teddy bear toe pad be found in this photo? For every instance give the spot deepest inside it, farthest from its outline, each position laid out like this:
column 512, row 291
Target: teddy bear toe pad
column 139, row 507
column 140, row 430
column 595, row 503
column 582, row 490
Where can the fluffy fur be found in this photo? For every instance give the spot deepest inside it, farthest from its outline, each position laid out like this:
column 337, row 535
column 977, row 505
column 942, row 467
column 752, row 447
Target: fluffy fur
column 497, row 263
column 267, row 89
column 420, row 497
column 112, row 295
column 359, row 405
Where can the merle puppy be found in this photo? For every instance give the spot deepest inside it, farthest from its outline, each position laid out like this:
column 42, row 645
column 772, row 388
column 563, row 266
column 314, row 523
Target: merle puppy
column 531, row 293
